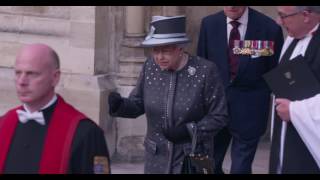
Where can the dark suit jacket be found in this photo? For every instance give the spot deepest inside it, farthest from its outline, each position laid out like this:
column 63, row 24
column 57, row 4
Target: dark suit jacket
column 248, row 95
column 297, row 158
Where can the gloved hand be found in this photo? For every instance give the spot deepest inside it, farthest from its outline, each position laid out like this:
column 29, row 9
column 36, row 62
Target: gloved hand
column 114, row 100
column 177, row 134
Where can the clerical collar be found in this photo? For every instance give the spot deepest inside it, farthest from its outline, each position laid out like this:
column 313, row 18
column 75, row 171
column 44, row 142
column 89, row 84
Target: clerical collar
column 314, row 29
column 51, row 102
column 242, row 20
column 310, row 33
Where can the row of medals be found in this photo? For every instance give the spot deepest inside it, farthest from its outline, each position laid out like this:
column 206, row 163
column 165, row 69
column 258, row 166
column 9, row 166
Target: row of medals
column 253, row 47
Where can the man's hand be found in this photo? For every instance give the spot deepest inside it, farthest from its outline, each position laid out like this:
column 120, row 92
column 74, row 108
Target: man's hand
column 282, row 107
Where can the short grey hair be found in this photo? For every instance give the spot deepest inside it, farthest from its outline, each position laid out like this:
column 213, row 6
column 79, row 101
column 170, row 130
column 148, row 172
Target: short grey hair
column 315, row 9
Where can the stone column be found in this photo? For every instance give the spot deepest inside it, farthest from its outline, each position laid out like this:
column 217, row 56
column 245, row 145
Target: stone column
column 135, row 21
column 131, row 132
column 173, row 10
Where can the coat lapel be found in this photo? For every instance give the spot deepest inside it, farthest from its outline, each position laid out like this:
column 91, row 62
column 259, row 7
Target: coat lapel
column 221, row 48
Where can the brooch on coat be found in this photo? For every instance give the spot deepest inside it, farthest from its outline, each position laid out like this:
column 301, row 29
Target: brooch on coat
column 191, row 70
column 253, row 47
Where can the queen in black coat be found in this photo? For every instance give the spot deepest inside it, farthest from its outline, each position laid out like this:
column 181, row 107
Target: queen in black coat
column 177, row 92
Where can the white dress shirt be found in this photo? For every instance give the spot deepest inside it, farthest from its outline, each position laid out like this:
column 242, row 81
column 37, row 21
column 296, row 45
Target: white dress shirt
column 243, row 20
column 25, row 116
column 52, row 101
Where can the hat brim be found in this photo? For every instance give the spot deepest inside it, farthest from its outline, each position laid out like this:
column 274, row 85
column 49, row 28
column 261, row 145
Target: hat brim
column 152, row 42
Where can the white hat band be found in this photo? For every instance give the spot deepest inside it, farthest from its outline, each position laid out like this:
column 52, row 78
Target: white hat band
column 172, row 35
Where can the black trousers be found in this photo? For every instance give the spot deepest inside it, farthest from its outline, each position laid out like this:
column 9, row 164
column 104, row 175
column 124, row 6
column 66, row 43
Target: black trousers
column 221, row 144
column 242, row 152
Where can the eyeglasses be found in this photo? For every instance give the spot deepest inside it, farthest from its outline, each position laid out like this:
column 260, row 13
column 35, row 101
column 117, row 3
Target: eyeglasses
column 283, row 16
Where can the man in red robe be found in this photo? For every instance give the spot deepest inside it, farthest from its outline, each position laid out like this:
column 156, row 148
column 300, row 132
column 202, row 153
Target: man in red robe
column 47, row 135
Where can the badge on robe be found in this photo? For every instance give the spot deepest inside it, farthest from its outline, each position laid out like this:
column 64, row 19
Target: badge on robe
column 101, row 165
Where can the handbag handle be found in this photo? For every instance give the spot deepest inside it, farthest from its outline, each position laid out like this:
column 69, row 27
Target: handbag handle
column 194, row 140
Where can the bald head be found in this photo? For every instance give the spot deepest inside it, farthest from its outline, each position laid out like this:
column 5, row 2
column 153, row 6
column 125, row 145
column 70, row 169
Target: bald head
column 41, row 53
column 36, row 75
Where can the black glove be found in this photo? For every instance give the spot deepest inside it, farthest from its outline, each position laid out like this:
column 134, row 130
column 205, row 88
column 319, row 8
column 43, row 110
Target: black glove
column 115, row 100
column 177, row 134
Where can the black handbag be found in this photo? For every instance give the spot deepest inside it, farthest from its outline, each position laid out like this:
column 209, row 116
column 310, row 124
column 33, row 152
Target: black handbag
column 197, row 163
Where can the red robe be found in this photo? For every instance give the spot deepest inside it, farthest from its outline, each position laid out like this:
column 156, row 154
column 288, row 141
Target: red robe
column 56, row 153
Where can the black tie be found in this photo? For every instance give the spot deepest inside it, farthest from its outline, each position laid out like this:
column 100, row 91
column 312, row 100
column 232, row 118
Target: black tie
column 286, row 56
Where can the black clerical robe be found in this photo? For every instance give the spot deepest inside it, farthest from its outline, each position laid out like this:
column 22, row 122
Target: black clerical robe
column 296, row 156
column 89, row 152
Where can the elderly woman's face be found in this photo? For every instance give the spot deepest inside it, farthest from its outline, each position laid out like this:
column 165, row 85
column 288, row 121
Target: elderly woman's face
column 167, row 57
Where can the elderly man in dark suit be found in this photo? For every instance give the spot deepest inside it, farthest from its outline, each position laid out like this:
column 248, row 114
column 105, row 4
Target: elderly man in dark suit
column 244, row 44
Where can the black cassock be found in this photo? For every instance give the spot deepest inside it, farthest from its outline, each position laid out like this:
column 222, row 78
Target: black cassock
column 296, row 156
column 25, row 150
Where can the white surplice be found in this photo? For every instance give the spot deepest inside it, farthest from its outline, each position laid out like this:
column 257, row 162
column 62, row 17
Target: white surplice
column 305, row 116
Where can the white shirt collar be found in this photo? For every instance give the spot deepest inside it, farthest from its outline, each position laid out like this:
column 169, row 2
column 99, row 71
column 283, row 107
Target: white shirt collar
column 243, row 19
column 52, row 101
column 313, row 30
column 310, row 33
column 302, row 44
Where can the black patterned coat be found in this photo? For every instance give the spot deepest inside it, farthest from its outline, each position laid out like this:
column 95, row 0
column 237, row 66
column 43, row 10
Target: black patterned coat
column 193, row 94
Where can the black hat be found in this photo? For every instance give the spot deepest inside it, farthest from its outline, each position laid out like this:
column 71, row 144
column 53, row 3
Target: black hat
column 166, row 30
